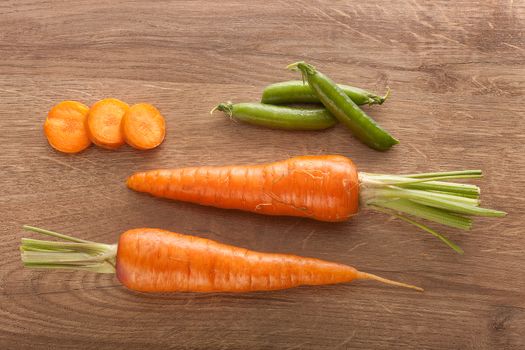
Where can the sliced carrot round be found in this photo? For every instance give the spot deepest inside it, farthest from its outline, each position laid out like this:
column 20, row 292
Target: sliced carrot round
column 104, row 123
column 65, row 127
column 143, row 126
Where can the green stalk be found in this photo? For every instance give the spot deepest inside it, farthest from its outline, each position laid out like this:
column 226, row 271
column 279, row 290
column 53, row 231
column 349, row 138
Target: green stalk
column 427, row 197
column 445, row 187
column 469, row 191
column 54, row 234
column 444, row 239
column 77, row 254
column 392, row 192
column 466, row 195
column 428, row 213
column 469, row 173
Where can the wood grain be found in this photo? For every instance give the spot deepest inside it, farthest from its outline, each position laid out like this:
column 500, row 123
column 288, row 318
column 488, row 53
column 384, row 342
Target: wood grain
column 458, row 79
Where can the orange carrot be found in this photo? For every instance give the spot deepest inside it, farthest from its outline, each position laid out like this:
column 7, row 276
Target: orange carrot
column 321, row 187
column 326, row 188
column 153, row 260
column 65, row 127
column 143, row 126
column 104, row 123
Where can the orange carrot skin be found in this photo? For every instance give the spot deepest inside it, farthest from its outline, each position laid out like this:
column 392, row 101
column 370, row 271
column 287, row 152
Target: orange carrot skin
column 324, row 188
column 153, row 260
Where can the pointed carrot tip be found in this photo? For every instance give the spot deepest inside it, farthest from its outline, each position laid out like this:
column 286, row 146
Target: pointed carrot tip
column 369, row 276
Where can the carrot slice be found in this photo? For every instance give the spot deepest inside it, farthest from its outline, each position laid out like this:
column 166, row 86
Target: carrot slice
column 104, row 123
column 143, row 126
column 65, row 127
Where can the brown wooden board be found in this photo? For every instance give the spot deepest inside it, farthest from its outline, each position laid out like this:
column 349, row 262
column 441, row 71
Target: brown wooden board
column 457, row 73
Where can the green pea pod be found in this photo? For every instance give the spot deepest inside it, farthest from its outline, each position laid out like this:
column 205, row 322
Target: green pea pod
column 295, row 91
column 278, row 117
column 344, row 109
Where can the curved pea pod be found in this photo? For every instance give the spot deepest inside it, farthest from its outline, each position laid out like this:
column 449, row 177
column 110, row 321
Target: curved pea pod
column 344, row 109
column 296, row 91
column 278, row 117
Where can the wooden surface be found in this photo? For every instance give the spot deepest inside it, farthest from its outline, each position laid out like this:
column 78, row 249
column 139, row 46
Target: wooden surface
column 458, row 79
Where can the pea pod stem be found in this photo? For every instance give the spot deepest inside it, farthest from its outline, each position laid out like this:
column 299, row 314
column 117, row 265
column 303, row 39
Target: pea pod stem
column 344, row 109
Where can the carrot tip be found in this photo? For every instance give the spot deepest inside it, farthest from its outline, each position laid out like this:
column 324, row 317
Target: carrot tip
column 369, row 276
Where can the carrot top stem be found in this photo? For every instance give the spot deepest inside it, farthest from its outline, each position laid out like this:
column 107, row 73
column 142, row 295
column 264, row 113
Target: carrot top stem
column 438, row 235
column 426, row 196
column 76, row 254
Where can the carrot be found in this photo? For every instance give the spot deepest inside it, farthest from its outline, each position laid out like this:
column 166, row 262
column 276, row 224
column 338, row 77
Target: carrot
column 153, row 260
column 143, row 126
column 326, row 188
column 282, row 188
column 65, row 127
column 104, row 123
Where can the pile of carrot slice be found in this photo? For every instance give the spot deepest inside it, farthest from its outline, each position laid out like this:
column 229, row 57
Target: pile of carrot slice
column 71, row 126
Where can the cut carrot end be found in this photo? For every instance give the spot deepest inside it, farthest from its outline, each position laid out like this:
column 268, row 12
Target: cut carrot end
column 143, row 126
column 104, row 123
column 65, row 127
column 369, row 276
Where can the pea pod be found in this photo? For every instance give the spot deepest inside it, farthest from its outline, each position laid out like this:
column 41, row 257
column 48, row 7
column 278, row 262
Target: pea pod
column 295, row 91
column 344, row 109
column 278, row 117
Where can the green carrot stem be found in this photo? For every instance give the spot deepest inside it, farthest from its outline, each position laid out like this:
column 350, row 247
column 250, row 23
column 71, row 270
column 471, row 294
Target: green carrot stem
column 432, row 197
column 75, row 253
column 428, row 213
column 99, row 268
column 68, row 246
column 441, row 186
column 403, row 180
column 54, row 234
column 474, row 173
column 426, row 196
column 444, row 239
column 460, row 208
column 466, row 195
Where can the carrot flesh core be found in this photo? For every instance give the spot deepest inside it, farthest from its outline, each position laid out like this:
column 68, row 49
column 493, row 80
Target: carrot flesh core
column 65, row 127
column 324, row 188
column 143, row 126
column 104, row 123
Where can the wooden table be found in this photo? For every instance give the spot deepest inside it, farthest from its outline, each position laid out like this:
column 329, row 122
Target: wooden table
column 457, row 74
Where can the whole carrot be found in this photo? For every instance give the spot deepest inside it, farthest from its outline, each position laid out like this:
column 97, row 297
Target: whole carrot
column 326, row 188
column 153, row 260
